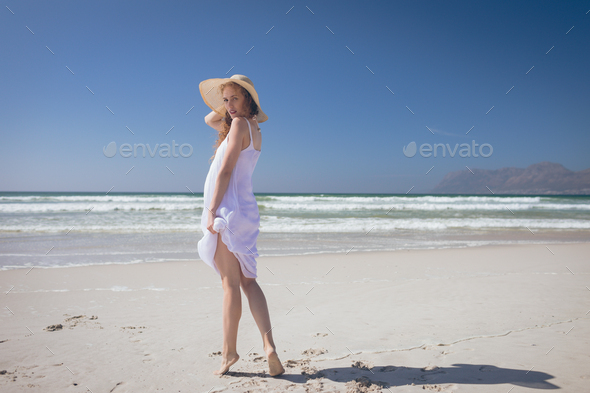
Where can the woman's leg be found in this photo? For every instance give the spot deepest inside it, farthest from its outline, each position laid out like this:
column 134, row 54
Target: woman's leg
column 259, row 309
column 229, row 267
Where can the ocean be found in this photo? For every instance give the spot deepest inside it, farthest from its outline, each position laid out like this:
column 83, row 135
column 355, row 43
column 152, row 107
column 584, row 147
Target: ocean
column 55, row 229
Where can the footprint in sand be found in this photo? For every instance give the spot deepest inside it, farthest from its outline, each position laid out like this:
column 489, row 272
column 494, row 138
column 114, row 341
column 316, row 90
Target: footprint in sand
column 72, row 322
column 8, row 374
column 293, row 363
column 133, row 330
column 439, row 388
column 314, row 352
column 22, row 372
column 256, row 357
column 138, row 328
column 309, row 371
column 361, row 364
column 432, row 373
column 364, row 384
column 313, row 385
column 252, row 383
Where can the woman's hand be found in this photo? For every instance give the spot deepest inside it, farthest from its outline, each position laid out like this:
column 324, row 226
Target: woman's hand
column 210, row 220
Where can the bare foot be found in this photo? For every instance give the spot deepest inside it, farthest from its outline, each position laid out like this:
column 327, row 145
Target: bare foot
column 226, row 363
column 274, row 364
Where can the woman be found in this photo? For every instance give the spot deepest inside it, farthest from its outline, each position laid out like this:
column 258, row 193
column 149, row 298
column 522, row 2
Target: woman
column 230, row 219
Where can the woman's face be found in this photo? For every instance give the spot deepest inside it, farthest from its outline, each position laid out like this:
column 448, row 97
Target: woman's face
column 235, row 102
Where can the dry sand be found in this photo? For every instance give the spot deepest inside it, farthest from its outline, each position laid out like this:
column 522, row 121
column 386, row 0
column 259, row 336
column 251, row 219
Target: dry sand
column 481, row 319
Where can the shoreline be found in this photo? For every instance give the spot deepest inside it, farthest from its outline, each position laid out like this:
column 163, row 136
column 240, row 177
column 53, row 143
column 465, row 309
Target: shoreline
column 489, row 243
column 89, row 249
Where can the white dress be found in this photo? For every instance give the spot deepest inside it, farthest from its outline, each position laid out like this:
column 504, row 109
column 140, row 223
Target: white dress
column 237, row 218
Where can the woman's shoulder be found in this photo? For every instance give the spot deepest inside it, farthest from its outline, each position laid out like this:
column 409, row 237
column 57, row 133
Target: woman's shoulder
column 239, row 128
column 239, row 123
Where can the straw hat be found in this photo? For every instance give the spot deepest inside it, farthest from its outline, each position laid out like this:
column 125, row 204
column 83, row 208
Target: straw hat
column 214, row 99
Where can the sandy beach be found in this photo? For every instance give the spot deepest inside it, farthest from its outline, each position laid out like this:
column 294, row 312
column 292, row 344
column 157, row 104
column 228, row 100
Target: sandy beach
column 480, row 319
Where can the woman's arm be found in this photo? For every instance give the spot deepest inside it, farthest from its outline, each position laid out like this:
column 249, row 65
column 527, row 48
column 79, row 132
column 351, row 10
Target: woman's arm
column 214, row 119
column 236, row 136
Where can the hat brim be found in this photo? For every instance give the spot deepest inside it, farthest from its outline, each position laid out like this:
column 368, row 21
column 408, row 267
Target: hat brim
column 214, row 100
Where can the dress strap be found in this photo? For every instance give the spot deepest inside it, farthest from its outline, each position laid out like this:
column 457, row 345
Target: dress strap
column 250, row 129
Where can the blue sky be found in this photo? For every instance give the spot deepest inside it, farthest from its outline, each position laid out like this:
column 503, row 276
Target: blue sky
column 323, row 73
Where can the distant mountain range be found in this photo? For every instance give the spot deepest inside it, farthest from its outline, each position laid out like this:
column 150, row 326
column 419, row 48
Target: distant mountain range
column 546, row 177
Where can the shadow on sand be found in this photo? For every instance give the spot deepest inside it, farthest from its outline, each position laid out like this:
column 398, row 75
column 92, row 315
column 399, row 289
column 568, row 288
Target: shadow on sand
column 391, row 376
